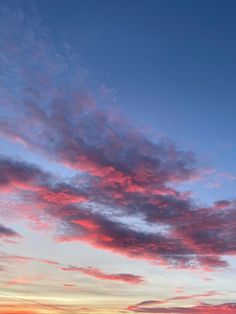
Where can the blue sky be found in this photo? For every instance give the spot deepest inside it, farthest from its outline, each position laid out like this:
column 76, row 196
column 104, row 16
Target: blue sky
column 171, row 65
column 117, row 164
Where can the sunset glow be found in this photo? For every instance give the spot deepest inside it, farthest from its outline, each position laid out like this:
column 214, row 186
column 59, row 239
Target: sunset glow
column 117, row 162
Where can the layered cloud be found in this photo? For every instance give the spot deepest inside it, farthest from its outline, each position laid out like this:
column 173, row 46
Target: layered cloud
column 121, row 172
column 202, row 308
column 163, row 306
column 195, row 236
column 178, row 298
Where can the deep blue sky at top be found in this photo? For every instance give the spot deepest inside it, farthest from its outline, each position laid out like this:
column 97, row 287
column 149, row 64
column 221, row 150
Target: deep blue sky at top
column 172, row 63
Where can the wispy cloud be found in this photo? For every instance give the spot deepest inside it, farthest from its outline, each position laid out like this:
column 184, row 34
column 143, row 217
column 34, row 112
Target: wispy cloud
column 6, row 258
column 97, row 273
column 27, row 280
column 178, row 298
column 9, row 258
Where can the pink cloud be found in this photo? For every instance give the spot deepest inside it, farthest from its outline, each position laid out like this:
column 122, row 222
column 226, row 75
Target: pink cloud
column 196, row 236
column 90, row 271
column 9, row 258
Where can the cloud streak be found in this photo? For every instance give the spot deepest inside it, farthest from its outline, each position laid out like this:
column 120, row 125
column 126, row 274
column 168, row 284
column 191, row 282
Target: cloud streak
column 90, row 271
column 95, row 272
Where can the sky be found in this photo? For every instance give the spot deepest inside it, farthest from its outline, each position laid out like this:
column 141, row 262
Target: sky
column 117, row 157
